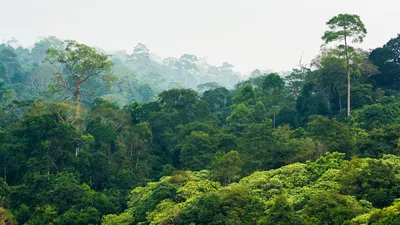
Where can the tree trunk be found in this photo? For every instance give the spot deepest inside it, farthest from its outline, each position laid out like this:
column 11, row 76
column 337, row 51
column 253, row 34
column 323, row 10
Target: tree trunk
column 348, row 89
column 348, row 76
column 78, row 101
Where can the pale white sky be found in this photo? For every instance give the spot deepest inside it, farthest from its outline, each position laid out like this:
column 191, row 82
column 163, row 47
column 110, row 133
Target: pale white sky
column 250, row 34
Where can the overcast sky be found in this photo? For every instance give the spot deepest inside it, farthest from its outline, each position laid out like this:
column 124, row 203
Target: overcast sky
column 250, row 34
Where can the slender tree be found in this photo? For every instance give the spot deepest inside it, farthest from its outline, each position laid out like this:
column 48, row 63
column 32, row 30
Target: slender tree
column 345, row 28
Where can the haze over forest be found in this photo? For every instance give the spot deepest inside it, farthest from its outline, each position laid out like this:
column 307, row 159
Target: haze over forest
column 255, row 34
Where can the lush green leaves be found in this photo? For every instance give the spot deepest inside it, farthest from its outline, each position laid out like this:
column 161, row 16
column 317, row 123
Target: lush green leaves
column 345, row 26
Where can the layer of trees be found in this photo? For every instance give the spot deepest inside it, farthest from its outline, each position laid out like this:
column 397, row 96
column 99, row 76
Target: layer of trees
column 137, row 76
column 330, row 190
column 269, row 150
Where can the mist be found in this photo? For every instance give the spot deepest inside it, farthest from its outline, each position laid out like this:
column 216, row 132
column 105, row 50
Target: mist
column 265, row 35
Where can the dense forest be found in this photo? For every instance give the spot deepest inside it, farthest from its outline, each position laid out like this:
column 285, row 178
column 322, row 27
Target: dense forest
column 95, row 137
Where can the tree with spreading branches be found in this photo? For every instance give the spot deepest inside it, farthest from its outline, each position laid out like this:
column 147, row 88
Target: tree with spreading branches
column 76, row 64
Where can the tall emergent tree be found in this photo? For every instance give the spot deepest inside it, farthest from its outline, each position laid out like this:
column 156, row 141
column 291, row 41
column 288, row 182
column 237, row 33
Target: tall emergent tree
column 75, row 64
column 345, row 28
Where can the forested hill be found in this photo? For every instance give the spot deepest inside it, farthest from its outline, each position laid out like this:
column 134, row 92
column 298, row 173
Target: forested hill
column 269, row 150
column 328, row 191
column 137, row 76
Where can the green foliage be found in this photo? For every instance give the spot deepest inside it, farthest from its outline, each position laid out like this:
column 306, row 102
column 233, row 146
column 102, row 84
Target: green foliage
column 223, row 208
column 260, row 112
column 4, row 191
column 280, row 211
column 362, row 95
column 129, row 144
column 135, row 110
column 376, row 115
column 43, row 215
column 372, row 179
column 185, row 102
column 309, row 193
column 198, row 150
column 345, row 26
column 325, row 163
column 76, row 64
column 218, row 98
column 239, row 118
column 332, row 134
column 79, row 60
column 246, row 96
column 386, row 58
column 87, row 215
column 331, row 209
column 145, row 199
column 310, row 102
column 388, row 216
column 384, row 140
column 296, row 80
column 256, row 146
column 122, row 219
column 225, row 168
column 292, row 148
